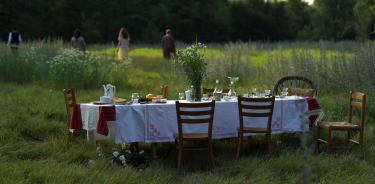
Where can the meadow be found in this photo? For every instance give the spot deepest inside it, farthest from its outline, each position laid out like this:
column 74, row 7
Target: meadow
column 33, row 133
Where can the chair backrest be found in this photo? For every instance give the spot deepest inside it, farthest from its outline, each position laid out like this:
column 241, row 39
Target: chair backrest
column 164, row 91
column 293, row 82
column 256, row 107
column 195, row 113
column 210, row 91
column 70, row 102
column 357, row 99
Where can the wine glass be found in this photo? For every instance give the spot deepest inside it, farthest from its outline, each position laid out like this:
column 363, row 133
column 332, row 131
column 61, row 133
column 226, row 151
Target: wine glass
column 181, row 96
column 284, row 92
column 254, row 92
column 267, row 92
column 135, row 97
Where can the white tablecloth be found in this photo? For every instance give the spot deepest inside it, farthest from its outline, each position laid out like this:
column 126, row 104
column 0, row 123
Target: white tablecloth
column 90, row 115
column 158, row 122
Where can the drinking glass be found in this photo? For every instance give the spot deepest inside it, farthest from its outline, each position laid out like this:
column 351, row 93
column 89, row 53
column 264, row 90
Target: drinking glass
column 267, row 92
column 254, row 92
column 181, row 96
column 205, row 97
column 135, row 97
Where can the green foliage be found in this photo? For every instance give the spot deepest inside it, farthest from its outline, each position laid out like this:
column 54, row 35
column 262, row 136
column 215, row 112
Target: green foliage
column 70, row 65
column 33, row 133
column 191, row 61
column 209, row 20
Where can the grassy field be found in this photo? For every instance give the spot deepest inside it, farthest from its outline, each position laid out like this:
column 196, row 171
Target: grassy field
column 33, row 137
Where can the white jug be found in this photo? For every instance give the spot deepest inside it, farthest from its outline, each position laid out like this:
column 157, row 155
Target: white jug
column 109, row 91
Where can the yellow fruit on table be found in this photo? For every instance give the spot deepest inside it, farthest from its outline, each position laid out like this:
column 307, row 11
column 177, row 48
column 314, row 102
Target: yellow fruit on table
column 149, row 96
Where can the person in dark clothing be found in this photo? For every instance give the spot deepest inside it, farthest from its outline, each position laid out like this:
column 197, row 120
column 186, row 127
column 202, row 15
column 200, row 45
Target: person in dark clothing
column 14, row 39
column 77, row 41
column 167, row 43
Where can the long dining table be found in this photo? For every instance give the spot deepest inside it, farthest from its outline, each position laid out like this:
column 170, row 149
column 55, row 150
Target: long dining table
column 157, row 122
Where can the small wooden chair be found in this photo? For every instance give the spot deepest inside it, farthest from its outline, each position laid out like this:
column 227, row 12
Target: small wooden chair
column 357, row 99
column 293, row 82
column 164, row 91
column 255, row 107
column 70, row 102
column 210, row 91
column 194, row 113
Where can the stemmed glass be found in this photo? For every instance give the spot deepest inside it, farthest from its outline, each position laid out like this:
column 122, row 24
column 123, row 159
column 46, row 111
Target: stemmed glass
column 135, row 97
column 284, row 92
column 181, row 96
column 253, row 92
column 267, row 92
column 232, row 80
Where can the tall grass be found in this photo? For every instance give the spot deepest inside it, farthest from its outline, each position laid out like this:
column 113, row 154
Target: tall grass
column 33, row 146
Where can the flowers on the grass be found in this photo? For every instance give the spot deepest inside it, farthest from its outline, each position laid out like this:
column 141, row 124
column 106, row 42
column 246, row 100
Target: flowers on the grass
column 127, row 157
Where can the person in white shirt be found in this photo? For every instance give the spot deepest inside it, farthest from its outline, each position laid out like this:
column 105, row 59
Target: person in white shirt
column 123, row 44
column 14, row 39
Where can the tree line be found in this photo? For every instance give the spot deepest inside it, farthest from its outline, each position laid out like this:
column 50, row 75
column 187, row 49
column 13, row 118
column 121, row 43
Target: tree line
column 205, row 20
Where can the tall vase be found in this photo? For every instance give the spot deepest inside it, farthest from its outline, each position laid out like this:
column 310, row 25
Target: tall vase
column 197, row 93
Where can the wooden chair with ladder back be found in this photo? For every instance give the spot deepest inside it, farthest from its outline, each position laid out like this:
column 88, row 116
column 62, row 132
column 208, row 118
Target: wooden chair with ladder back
column 255, row 108
column 298, row 84
column 193, row 114
column 356, row 99
column 70, row 102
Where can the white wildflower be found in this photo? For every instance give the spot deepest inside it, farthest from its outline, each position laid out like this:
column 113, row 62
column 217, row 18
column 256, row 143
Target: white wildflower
column 123, row 163
column 141, row 152
column 122, row 158
column 128, row 151
column 116, row 154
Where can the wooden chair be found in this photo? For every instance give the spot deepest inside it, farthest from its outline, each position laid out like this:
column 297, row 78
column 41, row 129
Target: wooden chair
column 293, row 82
column 164, row 91
column 357, row 99
column 210, row 91
column 70, row 102
column 255, row 107
column 190, row 114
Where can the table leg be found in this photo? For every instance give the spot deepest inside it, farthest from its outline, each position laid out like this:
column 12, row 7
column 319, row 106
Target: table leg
column 153, row 150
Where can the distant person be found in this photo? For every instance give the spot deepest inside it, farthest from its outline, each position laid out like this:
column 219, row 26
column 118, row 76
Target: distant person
column 167, row 43
column 77, row 41
column 14, row 39
column 123, row 44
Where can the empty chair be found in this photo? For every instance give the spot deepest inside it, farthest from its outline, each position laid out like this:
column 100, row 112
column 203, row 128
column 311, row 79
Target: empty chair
column 356, row 100
column 70, row 102
column 297, row 85
column 190, row 114
column 255, row 108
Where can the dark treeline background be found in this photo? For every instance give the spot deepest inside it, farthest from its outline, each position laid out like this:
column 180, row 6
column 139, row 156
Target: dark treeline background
column 206, row 20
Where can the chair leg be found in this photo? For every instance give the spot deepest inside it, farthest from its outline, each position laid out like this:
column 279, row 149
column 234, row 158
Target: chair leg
column 239, row 144
column 269, row 145
column 348, row 136
column 317, row 137
column 361, row 137
column 329, row 140
column 210, row 154
column 179, row 154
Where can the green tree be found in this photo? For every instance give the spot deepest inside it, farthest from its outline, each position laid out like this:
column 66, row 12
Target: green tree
column 364, row 16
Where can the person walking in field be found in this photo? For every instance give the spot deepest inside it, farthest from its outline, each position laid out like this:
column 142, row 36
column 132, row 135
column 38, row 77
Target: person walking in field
column 123, row 44
column 167, row 44
column 77, row 41
column 14, row 39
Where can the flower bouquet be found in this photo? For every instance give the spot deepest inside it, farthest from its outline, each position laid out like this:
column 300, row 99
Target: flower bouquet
column 191, row 61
